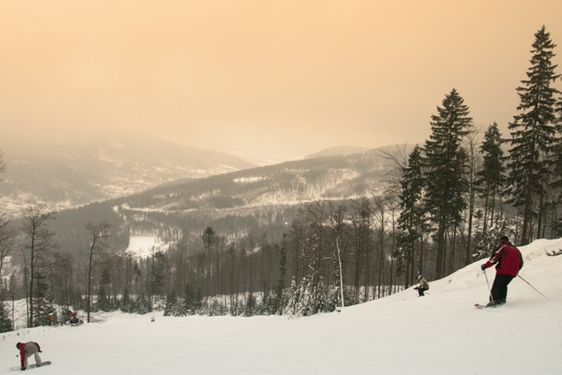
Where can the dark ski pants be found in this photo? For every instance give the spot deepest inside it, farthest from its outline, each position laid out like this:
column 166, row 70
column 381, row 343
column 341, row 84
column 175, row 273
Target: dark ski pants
column 421, row 291
column 499, row 289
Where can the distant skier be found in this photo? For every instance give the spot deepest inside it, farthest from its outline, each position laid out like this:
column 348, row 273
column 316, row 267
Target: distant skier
column 509, row 261
column 27, row 350
column 422, row 286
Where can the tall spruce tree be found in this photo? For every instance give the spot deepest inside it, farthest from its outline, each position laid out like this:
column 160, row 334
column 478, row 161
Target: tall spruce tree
column 557, row 175
column 491, row 178
column 411, row 220
column 557, row 178
column 445, row 164
column 533, row 134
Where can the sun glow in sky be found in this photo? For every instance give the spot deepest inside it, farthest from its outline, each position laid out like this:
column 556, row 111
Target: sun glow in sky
column 259, row 79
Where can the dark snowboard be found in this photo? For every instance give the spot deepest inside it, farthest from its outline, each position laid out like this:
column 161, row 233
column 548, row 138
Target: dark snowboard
column 32, row 366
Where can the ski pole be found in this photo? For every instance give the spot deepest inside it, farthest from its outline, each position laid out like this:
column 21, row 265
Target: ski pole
column 488, row 283
column 538, row 291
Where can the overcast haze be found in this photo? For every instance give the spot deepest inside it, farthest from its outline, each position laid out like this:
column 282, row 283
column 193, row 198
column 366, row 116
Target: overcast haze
column 262, row 79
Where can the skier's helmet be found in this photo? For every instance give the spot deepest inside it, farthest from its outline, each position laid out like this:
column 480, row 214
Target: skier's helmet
column 504, row 239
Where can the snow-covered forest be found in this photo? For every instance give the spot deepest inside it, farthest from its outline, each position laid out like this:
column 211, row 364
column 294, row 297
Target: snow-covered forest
column 401, row 334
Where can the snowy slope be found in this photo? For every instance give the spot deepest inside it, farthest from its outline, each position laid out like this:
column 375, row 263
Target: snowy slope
column 403, row 334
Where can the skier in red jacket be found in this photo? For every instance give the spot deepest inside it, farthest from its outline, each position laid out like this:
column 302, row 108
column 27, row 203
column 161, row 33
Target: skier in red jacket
column 509, row 262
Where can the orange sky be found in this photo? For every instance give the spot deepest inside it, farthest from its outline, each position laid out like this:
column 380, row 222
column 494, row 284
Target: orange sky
column 259, row 78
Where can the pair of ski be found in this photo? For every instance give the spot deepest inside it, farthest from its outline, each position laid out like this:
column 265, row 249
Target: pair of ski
column 479, row 306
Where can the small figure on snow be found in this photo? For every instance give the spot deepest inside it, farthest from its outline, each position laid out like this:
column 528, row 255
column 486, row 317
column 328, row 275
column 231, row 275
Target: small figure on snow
column 152, row 319
column 51, row 318
column 27, row 350
column 509, row 261
column 422, row 286
column 72, row 318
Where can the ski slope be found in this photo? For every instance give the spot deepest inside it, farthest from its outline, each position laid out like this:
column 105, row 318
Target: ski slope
column 441, row 333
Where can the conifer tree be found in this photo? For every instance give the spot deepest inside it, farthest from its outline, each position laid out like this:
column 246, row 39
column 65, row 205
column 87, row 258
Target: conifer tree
column 280, row 288
column 557, row 175
column 411, row 219
column 5, row 321
column 445, row 164
column 533, row 134
column 491, row 178
column 557, row 178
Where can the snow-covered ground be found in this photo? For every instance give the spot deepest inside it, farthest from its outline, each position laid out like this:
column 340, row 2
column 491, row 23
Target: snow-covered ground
column 441, row 333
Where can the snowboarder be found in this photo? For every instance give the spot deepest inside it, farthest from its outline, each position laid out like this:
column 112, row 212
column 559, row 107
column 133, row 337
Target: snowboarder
column 509, row 261
column 422, row 286
column 27, row 350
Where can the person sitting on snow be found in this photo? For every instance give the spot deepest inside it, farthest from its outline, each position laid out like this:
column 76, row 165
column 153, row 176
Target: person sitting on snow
column 26, row 350
column 422, row 286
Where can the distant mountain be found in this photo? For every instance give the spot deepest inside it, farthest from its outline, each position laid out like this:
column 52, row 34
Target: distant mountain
column 337, row 151
column 68, row 173
column 250, row 203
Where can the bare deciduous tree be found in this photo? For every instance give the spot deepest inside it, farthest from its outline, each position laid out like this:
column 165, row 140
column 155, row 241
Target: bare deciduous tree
column 98, row 233
column 40, row 241
column 7, row 240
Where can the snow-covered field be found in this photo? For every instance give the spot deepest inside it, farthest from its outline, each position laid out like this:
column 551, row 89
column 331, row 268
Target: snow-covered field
column 438, row 334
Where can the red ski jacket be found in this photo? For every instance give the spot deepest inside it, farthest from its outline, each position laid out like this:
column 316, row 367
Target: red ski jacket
column 509, row 260
column 33, row 347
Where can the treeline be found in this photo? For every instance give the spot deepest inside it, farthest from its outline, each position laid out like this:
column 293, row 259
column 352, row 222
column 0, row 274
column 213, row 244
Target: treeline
column 455, row 194
column 451, row 199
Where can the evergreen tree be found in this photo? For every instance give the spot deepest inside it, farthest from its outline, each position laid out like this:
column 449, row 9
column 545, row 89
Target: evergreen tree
column 557, row 175
column 41, row 306
column 491, row 178
column 191, row 301
column 411, row 222
column 557, row 178
column 5, row 321
column 103, row 302
column 158, row 270
column 445, row 163
column 210, row 244
column 251, row 305
column 171, row 307
column 279, row 300
column 533, row 134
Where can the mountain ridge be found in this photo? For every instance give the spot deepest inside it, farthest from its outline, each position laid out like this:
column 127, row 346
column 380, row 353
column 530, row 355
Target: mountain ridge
column 70, row 173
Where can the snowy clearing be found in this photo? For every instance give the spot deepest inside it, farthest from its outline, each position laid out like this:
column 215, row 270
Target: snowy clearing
column 441, row 333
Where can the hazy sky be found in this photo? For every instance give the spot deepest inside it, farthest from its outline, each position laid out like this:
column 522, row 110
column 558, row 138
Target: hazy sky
column 259, row 78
